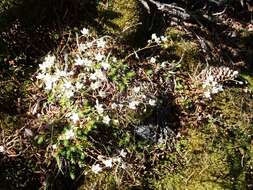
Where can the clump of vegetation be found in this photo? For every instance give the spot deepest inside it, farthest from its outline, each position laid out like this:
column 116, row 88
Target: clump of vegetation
column 104, row 111
column 91, row 87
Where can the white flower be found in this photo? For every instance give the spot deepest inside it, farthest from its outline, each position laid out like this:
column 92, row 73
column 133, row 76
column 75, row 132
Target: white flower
column 235, row 73
column 152, row 102
column 48, row 62
column 164, row 39
column 79, row 61
column 54, row 146
column 101, row 43
column 68, row 85
column 216, row 89
column 28, row 132
column 123, row 165
column 99, row 57
column 85, row 31
column 105, row 65
column 40, row 76
column 107, row 163
column 60, row 73
column 117, row 159
column 69, row 134
column 69, row 93
column 74, row 117
column 95, row 85
column 133, row 104
column 153, row 36
column 113, row 105
column 114, row 59
column 87, row 62
column 2, row 149
column 49, row 80
column 123, row 154
column 96, row 168
column 82, row 47
column 99, row 107
column 102, row 94
column 98, row 75
column 136, row 89
column 207, row 94
column 79, row 85
column 89, row 44
column 152, row 60
column 106, row 120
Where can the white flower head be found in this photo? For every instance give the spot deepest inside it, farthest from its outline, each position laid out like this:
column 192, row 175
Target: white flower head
column 99, row 56
column 153, row 60
column 79, row 85
column 107, row 163
column 95, row 85
column 154, row 36
column 49, row 80
column 113, row 105
column 48, row 62
column 2, row 149
column 79, row 61
column 69, row 93
column 105, row 65
column 54, row 146
column 102, row 94
column 133, row 104
column 74, row 117
column 69, row 134
column 87, row 62
column 82, row 47
column 122, row 153
column 123, row 165
column 152, row 102
column 96, row 168
column 68, row 85
column 207, row 94
column 60, row 73
column 85, row 31
column 101, row 43
column 136, row 89
column 99, row 107
column 106, row 120
column 98, row 75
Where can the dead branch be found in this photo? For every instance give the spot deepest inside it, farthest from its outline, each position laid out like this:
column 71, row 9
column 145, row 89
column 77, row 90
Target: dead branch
column 170, row 9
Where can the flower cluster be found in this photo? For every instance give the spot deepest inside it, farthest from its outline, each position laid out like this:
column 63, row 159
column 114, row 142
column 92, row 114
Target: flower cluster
column 211, row 87
column 91, row 86
column 213, row 77
column 109, row 162
column 91, row 74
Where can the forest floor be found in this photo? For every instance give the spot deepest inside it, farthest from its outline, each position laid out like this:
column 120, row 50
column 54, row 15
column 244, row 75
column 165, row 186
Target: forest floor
column 186, row 78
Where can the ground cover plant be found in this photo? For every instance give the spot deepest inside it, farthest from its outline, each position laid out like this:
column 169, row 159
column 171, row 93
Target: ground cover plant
column 126, row 95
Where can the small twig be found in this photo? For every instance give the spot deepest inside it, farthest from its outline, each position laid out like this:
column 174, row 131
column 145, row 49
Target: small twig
column 139, row 50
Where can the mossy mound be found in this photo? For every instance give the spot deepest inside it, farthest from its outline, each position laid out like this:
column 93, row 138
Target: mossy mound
column 217, row 155
column 123, row 17
column 182, row 50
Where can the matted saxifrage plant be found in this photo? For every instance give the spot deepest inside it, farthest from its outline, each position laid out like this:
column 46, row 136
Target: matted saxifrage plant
column 91, row 86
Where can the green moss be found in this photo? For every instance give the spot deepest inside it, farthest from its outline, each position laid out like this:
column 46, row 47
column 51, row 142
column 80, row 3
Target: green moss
column 178, row 47
column 122, row 17
column 102, row 180
column 217, row 155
